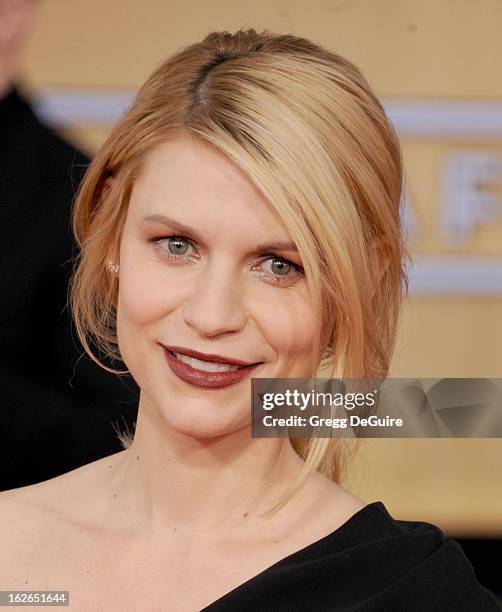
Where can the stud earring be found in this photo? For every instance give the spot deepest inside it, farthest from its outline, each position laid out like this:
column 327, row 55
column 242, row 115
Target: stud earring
column 112, row 266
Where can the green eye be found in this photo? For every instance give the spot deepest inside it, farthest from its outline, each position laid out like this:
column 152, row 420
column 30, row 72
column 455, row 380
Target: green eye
column 282, row 272
column 177, row 245
column 281, row 267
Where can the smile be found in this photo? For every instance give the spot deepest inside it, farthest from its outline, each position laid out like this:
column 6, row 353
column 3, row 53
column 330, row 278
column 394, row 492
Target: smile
column 207, row 366
column 207, row 374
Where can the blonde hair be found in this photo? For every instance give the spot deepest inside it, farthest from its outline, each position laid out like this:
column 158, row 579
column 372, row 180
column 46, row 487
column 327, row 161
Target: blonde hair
column 304, row 125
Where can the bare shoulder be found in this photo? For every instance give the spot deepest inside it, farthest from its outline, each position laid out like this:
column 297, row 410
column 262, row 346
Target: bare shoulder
column 22, row 510
column 38, row 521
column 336, row 503
column 54, row 497
column 334, row 494
column 321, row 507
column 27, row 522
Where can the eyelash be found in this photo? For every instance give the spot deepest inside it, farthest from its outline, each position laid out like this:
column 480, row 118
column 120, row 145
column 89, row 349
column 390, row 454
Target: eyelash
column 279, row 280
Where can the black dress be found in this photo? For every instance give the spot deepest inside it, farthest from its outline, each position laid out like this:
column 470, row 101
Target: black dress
column 58, row 409
column 372, row 562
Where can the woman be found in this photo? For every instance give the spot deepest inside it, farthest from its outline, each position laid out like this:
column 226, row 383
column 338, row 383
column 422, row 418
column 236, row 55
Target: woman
column 242, row 220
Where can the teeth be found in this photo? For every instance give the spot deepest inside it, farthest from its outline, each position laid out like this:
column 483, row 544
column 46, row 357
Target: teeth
column 208, row 366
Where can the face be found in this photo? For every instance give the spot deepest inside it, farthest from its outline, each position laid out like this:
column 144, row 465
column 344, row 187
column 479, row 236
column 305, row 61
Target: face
column 196, row 273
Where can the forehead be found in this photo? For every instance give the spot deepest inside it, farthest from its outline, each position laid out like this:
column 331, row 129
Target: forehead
column 192, row 181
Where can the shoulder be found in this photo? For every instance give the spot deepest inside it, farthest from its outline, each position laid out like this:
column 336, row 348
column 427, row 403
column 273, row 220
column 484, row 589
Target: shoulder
column 411, row 564
column 426, row 570
column 372, row 561
column 39, row 521
column 332, row 497
column 320, row 507
column 52, row 159
column 27, row 122
column 26, row 522
column 62, row 495
column 56, row 144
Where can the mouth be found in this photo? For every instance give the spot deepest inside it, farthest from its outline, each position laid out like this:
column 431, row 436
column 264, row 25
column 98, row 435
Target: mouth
column 208, row 374
column 208, row 366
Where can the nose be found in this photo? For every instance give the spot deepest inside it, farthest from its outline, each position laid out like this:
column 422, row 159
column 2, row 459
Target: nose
column 215, row 304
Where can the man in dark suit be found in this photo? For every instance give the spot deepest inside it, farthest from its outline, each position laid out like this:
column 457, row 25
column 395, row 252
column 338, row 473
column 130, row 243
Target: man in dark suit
column 58, row 409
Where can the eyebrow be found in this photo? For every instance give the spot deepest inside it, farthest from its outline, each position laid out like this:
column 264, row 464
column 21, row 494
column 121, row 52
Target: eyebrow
column 279, row 245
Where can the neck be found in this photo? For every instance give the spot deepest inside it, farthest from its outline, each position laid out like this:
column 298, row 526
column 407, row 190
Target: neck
column 169, row 481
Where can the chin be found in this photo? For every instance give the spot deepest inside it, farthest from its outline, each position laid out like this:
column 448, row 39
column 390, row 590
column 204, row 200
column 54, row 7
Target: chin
column 203, row 419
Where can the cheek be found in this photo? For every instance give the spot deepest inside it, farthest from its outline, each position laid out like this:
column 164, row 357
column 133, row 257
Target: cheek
column 143, row 303
column 140, row 297
column 290, row 326
column 147, row 294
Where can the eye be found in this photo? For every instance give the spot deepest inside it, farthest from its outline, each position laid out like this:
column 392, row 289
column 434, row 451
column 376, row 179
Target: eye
column 283, row 272
column 177, row 246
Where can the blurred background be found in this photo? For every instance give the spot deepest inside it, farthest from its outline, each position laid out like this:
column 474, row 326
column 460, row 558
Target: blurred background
column 436, row 67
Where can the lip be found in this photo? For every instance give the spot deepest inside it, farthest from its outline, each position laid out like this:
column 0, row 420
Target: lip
column 201, row 378
column 207, row 357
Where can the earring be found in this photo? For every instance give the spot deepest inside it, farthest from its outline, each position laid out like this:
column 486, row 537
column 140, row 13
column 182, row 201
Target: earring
column 112, row 266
